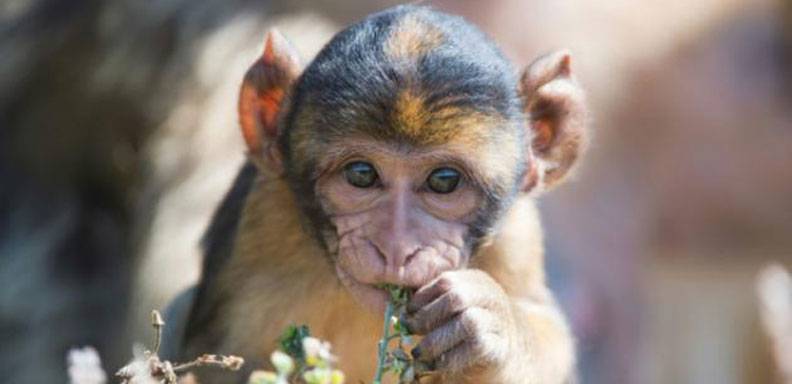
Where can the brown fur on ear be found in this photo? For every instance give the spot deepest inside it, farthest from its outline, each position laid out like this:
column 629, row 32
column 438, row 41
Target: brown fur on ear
column 264, row 88
column 556, row 110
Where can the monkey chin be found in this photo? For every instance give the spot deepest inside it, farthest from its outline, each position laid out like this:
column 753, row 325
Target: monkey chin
column 368, row 296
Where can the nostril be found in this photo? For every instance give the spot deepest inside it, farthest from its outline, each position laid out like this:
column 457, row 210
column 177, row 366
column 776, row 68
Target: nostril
column 410, row 257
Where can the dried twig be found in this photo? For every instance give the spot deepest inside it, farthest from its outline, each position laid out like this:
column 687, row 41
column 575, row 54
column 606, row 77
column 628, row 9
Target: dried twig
column 158, row 324
column 149, row 368
column 231, row 363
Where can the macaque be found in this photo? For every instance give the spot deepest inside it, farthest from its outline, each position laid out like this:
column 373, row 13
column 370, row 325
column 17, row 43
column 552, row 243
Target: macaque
column 409, row 153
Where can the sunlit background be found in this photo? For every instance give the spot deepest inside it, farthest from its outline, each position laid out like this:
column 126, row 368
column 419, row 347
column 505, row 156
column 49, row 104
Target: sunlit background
column 118, row 136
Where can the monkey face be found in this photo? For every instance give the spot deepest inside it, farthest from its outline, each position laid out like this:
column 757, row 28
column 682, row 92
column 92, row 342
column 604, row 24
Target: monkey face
column 407, row 139
column 401, row 216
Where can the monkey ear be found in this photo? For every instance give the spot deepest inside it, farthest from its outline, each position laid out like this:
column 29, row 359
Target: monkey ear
column 261, row 99
column 556, row 110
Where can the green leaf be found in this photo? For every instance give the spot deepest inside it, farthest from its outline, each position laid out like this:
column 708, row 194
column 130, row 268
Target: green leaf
column 291, row 342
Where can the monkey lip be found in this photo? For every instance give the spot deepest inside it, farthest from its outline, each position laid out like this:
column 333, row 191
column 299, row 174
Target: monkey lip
column 371, row 296
column 400, row 281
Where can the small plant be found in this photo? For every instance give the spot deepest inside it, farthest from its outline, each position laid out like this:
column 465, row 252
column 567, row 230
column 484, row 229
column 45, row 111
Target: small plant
column 305, row 359
column 395, row 359
column 301, row 359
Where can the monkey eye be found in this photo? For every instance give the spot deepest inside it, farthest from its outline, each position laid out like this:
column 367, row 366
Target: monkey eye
column 360, row 174
column 443, row 180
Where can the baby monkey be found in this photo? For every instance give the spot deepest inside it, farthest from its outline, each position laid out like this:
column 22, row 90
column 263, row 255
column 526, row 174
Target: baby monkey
column 408, row 153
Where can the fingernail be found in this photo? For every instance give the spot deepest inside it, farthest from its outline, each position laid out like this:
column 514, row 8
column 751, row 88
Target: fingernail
column 416, row 353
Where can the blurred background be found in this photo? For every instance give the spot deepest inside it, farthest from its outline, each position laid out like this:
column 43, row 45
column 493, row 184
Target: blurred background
column 118, row 136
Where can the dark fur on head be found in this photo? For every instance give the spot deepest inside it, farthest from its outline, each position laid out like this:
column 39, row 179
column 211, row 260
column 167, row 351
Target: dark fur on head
column 413, row 77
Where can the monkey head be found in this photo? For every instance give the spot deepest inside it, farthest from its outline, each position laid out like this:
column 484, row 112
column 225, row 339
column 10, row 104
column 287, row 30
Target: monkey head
column 406, row 139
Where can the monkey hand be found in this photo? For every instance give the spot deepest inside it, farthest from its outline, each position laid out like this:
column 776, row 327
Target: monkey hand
column 469, row 327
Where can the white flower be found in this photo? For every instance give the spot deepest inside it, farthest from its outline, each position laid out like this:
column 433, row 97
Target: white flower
column 264, row 377
column 85, row 366
column 311, row 346
column 282, row 362
column 318, row 376
column 138, row 370
column 316, row 349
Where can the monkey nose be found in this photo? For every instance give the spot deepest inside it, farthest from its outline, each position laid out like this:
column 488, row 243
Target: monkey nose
column 396, row 260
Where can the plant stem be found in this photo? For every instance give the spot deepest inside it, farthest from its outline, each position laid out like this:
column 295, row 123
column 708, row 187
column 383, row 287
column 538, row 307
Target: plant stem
column 383, row 344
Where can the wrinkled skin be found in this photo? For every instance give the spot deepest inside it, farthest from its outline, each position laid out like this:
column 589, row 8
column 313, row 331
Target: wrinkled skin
column 402, row 233
column 397, row 232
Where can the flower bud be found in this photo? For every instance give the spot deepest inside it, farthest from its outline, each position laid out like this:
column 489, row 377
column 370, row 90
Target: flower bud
column 337, row 377
column 263, row 377
column 282, row 362
column 317, row 376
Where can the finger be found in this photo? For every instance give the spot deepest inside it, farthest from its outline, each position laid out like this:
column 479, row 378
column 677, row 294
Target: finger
column 478, row 329
column 472, row 325
column 472, row 353
column 456, row 360
column 429, row 292
column 437, row 312
column 440, row 340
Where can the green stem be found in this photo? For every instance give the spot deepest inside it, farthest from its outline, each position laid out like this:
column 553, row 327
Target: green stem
column 383, row 344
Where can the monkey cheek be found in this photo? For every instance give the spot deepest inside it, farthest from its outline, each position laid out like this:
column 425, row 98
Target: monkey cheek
column 367, row 296
column 360, row 263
